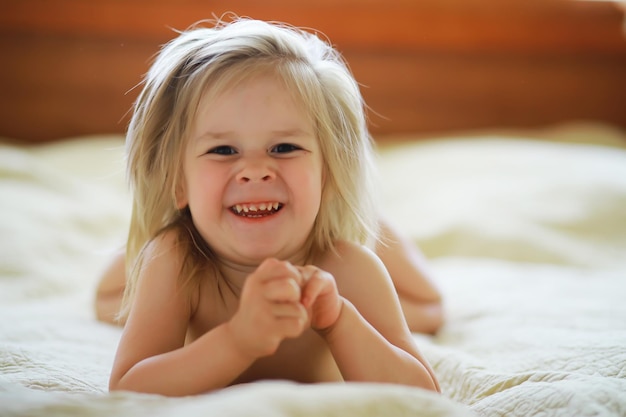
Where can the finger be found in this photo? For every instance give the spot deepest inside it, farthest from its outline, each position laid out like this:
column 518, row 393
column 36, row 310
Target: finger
column 289, row 310
column 282, row 290
column 307, row 271
column 272, row 268
column 291, row 326
column 292, row 319
column 316, row 284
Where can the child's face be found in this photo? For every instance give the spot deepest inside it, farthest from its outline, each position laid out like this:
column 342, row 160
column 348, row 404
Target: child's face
column 253, row 173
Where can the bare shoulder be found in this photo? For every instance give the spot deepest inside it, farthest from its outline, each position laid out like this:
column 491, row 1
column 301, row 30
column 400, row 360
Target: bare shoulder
column 351, row 261
column 159, row 311
column 159, row 272
column 360, row 275
column 362, row 279
column 159, row 296
column 346, row 252
column 165, row 246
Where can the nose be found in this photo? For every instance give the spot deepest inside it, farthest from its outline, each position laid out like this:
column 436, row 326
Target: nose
column 258, row 169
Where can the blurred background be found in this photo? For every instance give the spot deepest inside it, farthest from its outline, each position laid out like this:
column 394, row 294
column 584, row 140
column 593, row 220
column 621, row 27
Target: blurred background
column 426, row 67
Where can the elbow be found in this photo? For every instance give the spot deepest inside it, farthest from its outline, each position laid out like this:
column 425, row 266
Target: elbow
column 120, row 382
column 121, row 385
column 429, row 381
column 431, row 386
column 115, row 384
column 424, row 378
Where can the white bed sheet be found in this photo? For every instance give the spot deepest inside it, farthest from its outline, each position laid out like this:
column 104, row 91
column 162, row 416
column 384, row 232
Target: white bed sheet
column 526, row 236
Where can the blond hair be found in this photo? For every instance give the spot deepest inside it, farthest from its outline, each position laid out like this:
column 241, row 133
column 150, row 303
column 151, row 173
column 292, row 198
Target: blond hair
column 206, row 61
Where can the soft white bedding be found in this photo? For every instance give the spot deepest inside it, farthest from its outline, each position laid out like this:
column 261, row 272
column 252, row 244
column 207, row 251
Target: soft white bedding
column 526, row 236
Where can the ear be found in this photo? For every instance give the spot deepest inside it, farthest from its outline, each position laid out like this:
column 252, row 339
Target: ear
column 181, row 196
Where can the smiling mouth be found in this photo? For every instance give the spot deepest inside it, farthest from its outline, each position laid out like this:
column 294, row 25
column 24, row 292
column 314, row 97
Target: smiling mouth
column 256, row 210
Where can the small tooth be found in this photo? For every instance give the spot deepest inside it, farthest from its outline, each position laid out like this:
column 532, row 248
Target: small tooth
column 245, row 209
column 238, row 208
column 253, row 207
column 275, row 206
column 262, row 206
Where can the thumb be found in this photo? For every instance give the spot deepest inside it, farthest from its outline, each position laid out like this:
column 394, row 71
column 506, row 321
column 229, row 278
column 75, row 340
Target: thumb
column 312, row 289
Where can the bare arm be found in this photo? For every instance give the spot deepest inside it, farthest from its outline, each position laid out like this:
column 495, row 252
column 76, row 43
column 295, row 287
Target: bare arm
column 369, row 337
column 152, row 355
column 363, row 354
column 209, row 363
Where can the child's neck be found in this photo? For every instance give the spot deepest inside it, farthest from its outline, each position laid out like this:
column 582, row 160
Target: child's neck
column 237, row 272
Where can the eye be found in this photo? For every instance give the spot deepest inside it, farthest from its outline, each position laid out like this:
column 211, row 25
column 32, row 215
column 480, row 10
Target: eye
column 285, row 148
column 223, row 150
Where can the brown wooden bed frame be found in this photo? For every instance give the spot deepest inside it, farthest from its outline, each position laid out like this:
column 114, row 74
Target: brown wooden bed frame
column 68, row 67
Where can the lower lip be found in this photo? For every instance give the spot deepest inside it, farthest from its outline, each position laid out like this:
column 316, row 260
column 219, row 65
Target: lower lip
column 256, row 219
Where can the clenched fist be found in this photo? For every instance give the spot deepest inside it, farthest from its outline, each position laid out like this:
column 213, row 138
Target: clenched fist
column 269, row 309
column 320, row 297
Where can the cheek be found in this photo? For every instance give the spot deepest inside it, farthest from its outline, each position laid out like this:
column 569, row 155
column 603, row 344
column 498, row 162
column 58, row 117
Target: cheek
column 304, row 182
column 203, row 187
column 314, row 186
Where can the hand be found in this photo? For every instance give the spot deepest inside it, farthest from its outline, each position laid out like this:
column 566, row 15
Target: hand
column 320, row 297
column 269, row 309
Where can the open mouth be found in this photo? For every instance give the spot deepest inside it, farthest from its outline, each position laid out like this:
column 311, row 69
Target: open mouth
column 256, row 210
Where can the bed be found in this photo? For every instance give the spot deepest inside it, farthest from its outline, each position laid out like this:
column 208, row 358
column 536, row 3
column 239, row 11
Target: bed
column 519, row 205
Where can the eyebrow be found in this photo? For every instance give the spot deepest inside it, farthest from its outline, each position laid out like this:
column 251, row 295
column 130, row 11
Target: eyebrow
column 282, row 133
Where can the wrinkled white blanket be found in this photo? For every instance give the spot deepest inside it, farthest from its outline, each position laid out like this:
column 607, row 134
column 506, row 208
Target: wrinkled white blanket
column 526, row 236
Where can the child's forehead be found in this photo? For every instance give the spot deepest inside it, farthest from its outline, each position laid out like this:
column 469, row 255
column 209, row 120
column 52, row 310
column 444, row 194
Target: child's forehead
column 263, row 103
column 226, row 84
column 264, row 86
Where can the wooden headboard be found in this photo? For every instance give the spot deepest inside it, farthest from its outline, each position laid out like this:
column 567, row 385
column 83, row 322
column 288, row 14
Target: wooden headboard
column 431, row 66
